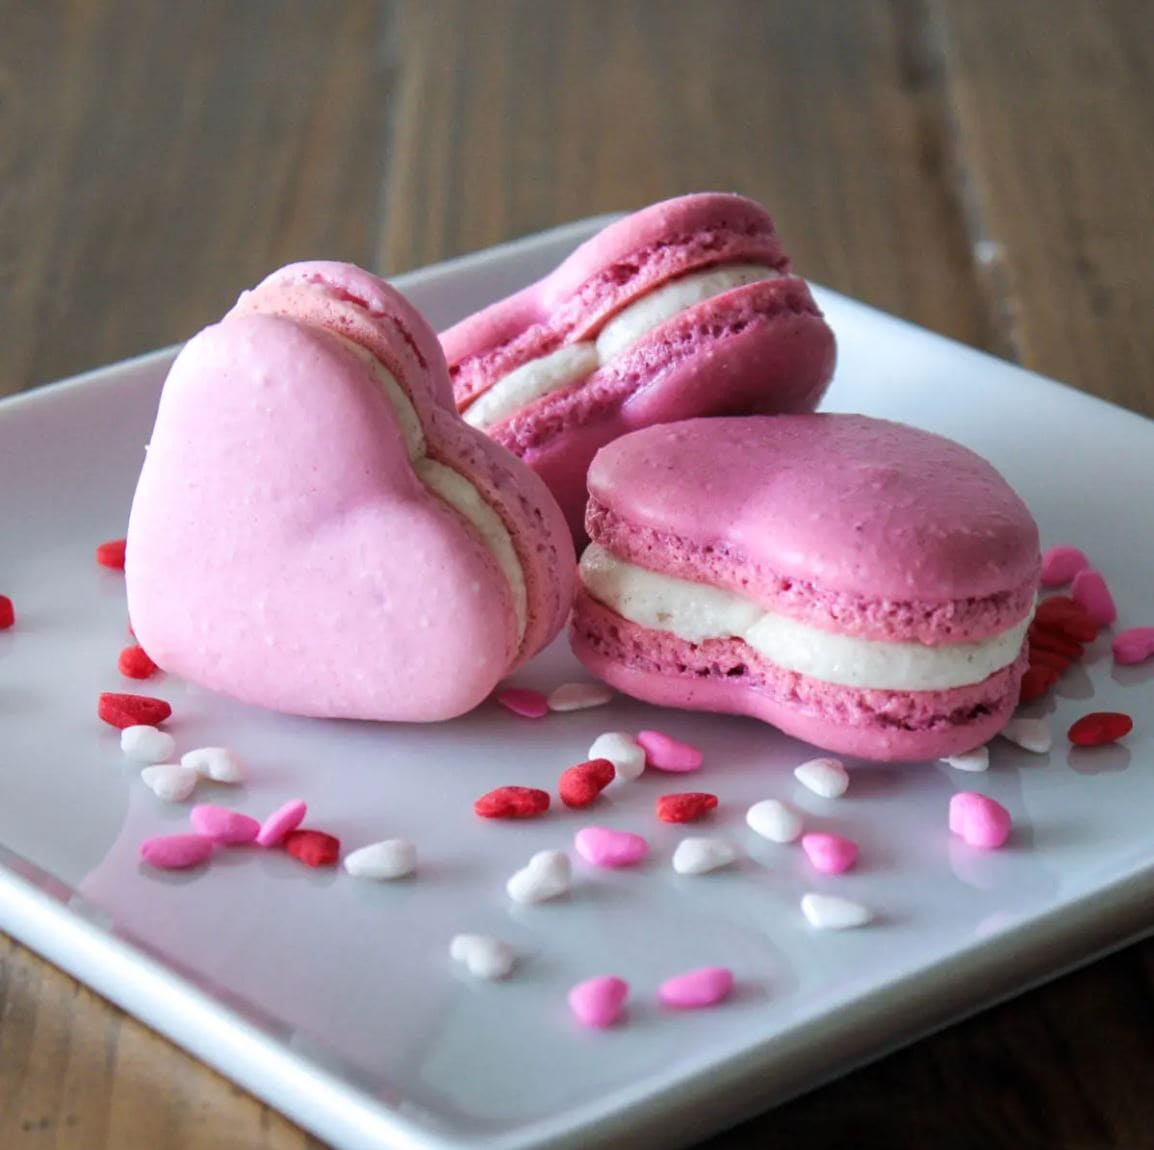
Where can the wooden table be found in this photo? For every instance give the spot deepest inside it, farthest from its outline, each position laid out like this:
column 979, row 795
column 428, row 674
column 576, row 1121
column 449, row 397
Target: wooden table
column 982, row 167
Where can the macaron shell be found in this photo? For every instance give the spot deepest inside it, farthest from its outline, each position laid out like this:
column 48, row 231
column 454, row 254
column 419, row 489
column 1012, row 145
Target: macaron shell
column 282, row 550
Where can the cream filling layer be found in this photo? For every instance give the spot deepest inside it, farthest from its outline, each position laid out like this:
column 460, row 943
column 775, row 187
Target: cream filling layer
column 575, row 361
column 451, row 486
column 696, row 612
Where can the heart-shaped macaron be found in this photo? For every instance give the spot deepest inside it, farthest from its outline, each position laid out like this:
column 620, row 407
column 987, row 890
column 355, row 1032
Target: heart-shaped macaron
column 315, row 529
column 686, row 308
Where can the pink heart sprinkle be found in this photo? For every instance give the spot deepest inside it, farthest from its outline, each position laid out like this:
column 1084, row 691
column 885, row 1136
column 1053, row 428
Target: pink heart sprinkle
column 602, row 846
column 979, row 820
column 666, row 753
column 829, row 854
column 1061, row 564
column 1134, row 646
column 222, row 825
column 598, row 1002
column 283, row 820
column 1090, row 592
column 524, row 702
column 706, row 986
column 175, row 852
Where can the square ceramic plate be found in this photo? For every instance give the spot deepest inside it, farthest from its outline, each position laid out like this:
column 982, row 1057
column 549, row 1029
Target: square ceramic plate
column 336, row 1000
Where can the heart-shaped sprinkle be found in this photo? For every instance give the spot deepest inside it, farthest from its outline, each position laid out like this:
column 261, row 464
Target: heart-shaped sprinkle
column 176, row 852
column 829, row 853
column 216, row 763
column 579, row 696
column 605, row 847
column 825, row 777
column 685, row 808
column 1060, row 565
column 223, row 825
column 136, row 663
column 701, row 855
column 548, row 875
column 1099, row 728
column 979, row 820
column 696, row 989
column 123, row 710
column 169, row 781
column 1134, row 646
column 483, row 956
column 831, row 912
column 7, row 613
column 580, row 785
column 284, row 819
column 976, row 760
column 1032, row 735
column 1060, row 613
column 111, row 553
column 1036, row 683
column 775, row 821
column 390, row 859
column 145, row 744
column 623, row 751
column 523, row 701
column 668, row 754
column 512, row 803
column 313, row 848
column 598, row 1002
column 1091, row 592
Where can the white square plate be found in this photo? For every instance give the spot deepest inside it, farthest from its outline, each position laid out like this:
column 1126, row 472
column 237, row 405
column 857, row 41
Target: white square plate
column 336, row 1000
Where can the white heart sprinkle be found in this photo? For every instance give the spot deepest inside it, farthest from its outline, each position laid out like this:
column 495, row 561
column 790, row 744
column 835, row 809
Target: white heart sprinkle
column 825, row 777
column 144, row 744
column 482, row 956
column 623, row 751
column 700, row 855
column 1029, row 734
column 579, row 696
column 975, row 760
column 829, row 912
column 392, row 858
column 548, row 875
column 216, row 763
column 170, row 781
column 773, row 820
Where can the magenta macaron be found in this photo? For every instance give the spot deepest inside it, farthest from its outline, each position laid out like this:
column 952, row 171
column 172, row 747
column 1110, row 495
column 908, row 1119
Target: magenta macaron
column 687, row 308
column 862, row 585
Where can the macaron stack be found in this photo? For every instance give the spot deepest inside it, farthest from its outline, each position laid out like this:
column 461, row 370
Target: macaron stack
column 341, row 516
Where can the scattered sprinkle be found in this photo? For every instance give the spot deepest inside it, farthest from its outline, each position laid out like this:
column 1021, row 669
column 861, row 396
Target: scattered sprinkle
column 1134, row 646
column 580, row 785
column 120, row 710
column 829, row 853
column 1099, row 728
column 701, row 855
column 169, row 781
column 979, row 820
column 599, row 1002
column 176, row 852
column 313, row 848
column 579, row 696
column 825, row 777
column 111, row 554
column 483, row 956
column 605, row 847
column 285, row 819
column 831, row 912
column 668, row 754
column 1061, row 564
column 775, row 821
column 1061, row 613
column 623, row 751
column 696, row 989
column 685, row 808
column 146, row 744
column 548, row 875
column 136, row 663
column 383, row 861
column 524, row 702
column 1090, row 591
column 1037, row 683
column 216, row 763
column 1030, row 734
column 223, row 825
column 7, row 613
column 512, row 803
column 976, row 760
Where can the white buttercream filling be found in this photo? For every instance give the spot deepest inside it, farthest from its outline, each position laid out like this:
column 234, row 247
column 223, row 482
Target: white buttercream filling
column 565, row 366
column 451, row 486
column 696, row 612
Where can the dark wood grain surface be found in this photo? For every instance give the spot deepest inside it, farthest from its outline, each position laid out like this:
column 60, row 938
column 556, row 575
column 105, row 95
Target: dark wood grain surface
column 981, row 167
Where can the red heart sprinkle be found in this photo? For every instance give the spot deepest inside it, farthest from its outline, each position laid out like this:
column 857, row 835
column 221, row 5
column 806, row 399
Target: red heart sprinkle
column 7, row 613
column 1070, row 618
column 580, row 785
column 313, row 848
column 685, row 808
column 1037, row 682
column 1100, row 727
column 1045, row 637
column 111, row 554
column 122, row 711
column 136, row 663
column 512, row 803
column 1040, row 657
